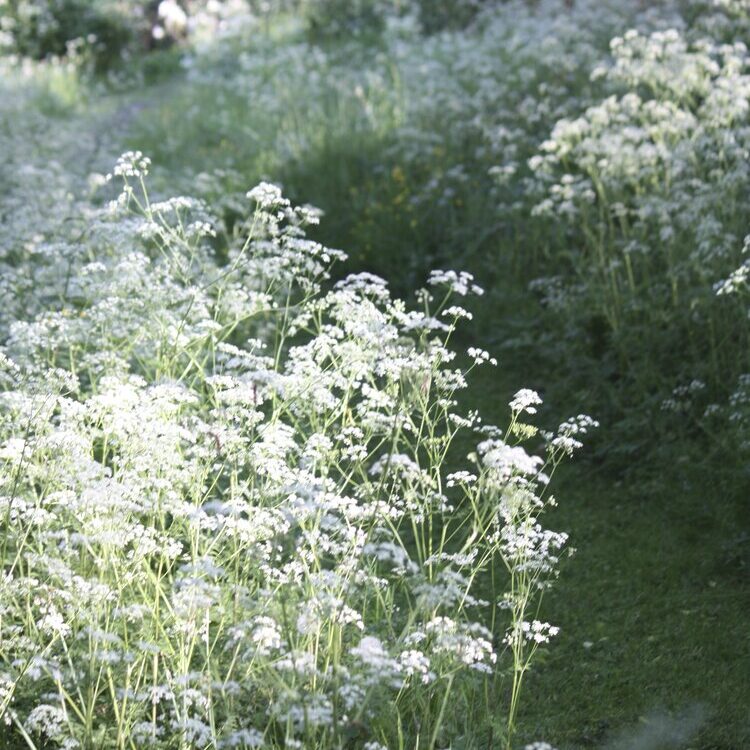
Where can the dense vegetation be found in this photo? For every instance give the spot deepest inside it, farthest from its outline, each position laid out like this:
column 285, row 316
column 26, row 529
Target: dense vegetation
column 259, row 491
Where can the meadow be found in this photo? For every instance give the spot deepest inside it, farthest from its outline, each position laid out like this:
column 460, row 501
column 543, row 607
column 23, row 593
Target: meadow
column 375, row 374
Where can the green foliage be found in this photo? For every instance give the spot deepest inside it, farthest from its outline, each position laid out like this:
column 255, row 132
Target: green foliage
column 57, row 27
column 437, row 15
column 337, row 19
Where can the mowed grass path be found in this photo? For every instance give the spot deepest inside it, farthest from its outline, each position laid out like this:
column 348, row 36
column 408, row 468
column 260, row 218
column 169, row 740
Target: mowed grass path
column 654, row 648
column 653, row 615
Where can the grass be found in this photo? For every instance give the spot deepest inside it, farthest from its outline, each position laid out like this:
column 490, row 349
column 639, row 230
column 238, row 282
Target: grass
column 659, row 590
column 653, row 605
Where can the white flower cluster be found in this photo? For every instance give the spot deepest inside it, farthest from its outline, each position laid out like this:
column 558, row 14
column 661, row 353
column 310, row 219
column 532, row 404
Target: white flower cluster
column 651, row 174
column 132, row 164
column 568, row 432
column 536, row 632
column 222, row 480
column 459, row 283
column 525, row 400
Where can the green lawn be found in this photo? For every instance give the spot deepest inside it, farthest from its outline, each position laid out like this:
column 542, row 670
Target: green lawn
column 653, row 611
column 654, row 648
